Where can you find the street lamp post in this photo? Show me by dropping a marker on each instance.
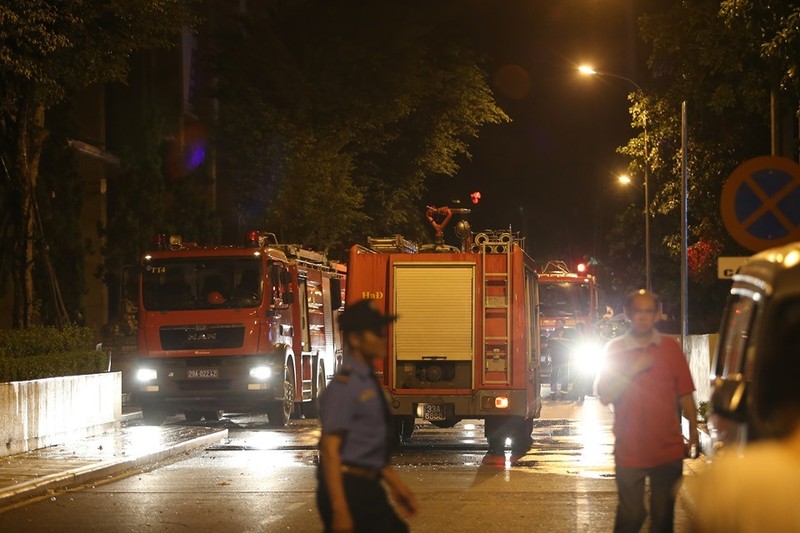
(589, 71)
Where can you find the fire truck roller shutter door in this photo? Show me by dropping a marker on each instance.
(435, 306)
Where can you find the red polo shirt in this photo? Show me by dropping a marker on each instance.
(647, 425)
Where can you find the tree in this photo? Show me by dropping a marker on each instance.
(715, 65)
(333, 116)
(61, 249)
(776, 28)
(48, 50)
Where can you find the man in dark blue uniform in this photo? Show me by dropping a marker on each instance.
(354, 448)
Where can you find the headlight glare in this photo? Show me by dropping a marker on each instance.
(589, 356)
(146, 374)
(261, 372)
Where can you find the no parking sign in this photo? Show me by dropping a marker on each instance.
(761, 203)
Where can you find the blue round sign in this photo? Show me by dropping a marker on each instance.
(761, 203)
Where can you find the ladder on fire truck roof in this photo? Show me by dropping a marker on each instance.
(307, 256)
(393, 244)
(556, 267)
(496, 306)
(295, 251)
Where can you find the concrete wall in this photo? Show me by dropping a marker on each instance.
(45, 412)
(699, 350)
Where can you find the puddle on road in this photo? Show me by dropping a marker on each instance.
(575, 447)
(560, 446)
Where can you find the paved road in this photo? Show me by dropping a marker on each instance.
(262, 479)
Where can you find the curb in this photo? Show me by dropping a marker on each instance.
(133, 415)
(83, 474)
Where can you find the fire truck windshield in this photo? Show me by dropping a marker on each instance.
(207, 283)
(564, 299)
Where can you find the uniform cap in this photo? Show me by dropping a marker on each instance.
(363, 316)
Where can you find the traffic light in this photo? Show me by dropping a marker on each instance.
(475, 197)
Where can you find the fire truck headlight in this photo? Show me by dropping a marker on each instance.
(501, 402)
(261, 372)
(146, 374)
(589, 357)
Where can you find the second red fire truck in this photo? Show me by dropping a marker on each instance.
(248, 328)
(571, 297)
(466, 343)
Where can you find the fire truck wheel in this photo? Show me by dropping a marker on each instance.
(497, 443)
(211, 416)
(153, 415)
(521, 440)
(403, 428)
(499, 428)
(492, 430)
(280, 411)
(311, 409)
(192, 416)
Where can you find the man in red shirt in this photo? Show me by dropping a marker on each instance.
(647, 379)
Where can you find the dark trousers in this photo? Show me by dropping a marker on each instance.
(368, 503)
(631, 511)
(559, 374)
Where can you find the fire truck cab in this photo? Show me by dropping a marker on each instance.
(571, 297)
(466, 341)
(571, 300)
(248, 328)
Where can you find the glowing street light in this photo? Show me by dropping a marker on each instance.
(589, 71)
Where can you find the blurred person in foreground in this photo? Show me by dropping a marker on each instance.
(756, 488)
(354, 447)
(647, 380)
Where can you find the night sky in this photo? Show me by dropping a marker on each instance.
(551, 173)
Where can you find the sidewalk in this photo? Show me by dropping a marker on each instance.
(37, 472)
(692, 468)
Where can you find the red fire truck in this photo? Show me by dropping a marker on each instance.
(466, 343)
(236, 328)
(571, 297)
(572, 300)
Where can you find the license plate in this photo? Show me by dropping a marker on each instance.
(202, 373)
(434, 412)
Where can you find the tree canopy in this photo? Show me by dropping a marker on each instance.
(333, 116)
(715, 61)
(49, 50)
(325, 120)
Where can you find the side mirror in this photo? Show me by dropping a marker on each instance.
(729, 399)
(274, 274)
